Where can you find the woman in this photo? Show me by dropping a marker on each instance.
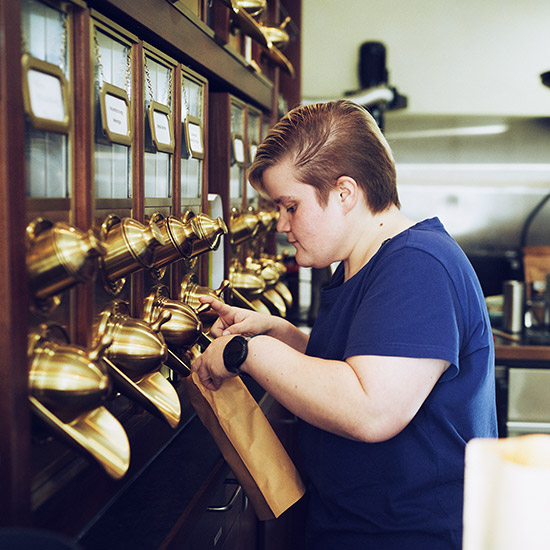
(398, 372)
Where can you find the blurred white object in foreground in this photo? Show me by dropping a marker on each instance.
(507, 494)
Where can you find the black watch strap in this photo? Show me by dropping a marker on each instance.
(235, 353)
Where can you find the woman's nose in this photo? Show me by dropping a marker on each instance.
(282, 224)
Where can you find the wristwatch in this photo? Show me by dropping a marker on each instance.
(235, 353)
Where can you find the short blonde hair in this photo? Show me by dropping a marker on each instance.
(326, 141)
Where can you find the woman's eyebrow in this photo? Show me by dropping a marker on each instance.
(283, 199)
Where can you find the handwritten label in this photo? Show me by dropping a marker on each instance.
(162, 128)
(116, 111)
(195, 137)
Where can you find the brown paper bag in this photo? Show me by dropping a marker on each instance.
(248, 444)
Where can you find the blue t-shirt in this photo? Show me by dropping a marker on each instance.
(417, 297)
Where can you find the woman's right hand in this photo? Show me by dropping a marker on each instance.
(236, 320)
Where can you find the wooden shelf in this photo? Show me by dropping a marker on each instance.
(191, 42)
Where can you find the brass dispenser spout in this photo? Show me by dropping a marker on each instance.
(134, 359)
(68, 387)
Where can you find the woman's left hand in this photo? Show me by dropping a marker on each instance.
(210, 367)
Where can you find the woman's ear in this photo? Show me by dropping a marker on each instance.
(348, 192)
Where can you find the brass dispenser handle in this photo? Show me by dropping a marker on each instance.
(153, 392)
(242, 300)
(98, 351)
(204, 340)
(164, 317)
(179, 364)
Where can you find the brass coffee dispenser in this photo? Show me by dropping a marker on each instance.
(130, 247)
(250, 282)
(278, 36)
(185, 238)
(134, 358)
(68, 387)
(206, 233)
(270, 296)
(253, 7)
(276, 295)
(191, 292)
(59, 256)
(182, 330)
(248, 287)
(243, 226)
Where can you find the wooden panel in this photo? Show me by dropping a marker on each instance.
(176, 163)
(14, 409)
(82, 175)
(138, 162)
(290, 88)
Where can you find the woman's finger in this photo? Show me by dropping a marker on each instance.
(215, 304)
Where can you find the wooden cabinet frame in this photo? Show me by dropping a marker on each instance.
(14, 410)
(193, 47)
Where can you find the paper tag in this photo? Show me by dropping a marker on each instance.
(238, 150)
(162, 127)
(116, 111)
(46, 95)
(195, 138)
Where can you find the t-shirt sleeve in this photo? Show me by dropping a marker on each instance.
(410, 309)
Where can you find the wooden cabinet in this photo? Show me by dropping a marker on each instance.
(228, 521)
(179, 61)
(287, 531)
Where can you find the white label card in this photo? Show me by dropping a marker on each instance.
(116, 110)
(46, 96)
(239, 150)
(162, 127)
(195, 137)
(253, 149)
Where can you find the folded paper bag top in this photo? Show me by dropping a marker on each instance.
(506, 493)
(248, 444)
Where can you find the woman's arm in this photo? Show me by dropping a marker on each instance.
(367, 398)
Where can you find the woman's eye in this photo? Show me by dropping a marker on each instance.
(291, 209)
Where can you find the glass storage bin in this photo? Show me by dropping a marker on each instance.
(112, 153)
(158, 127)
(253, 139)
(238, 152)
(45, 38)
(192, 118)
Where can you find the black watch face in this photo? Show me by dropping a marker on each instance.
(234, 353)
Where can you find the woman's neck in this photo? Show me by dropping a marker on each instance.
(375, 230)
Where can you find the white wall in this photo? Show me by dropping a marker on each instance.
(447, 56)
